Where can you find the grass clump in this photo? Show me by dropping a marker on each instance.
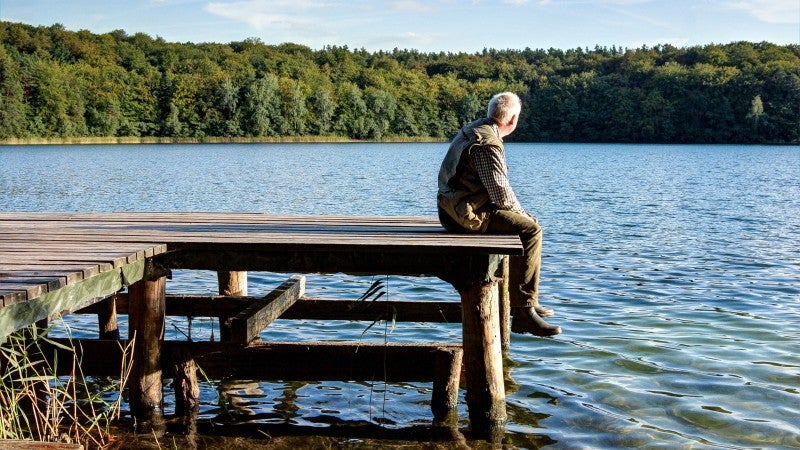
(36, 403)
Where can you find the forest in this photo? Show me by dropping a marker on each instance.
(57, 83)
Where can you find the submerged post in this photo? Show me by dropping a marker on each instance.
(483, 361)
(504, 301)
(107, 318)
(230, 284)
(446, 378)
(184, 382)
(146, 323)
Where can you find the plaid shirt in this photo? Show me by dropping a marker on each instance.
(490, 162)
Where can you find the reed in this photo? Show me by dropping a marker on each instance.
(37, 404)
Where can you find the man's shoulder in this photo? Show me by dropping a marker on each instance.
(483, 132)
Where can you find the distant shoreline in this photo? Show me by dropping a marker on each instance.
(205, 140)
(133, 140)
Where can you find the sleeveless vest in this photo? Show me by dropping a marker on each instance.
(461, 195)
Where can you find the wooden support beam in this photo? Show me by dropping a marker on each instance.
(458, 270)
(403, 310)
(483, 361)
(301, 361)
(146, 328)
(337, 361)
(246, 325)
(306, 308)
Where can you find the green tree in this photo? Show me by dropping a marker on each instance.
(323, 109)
(169, 123)
(261, 107)
(294, 109)
(56, 82)
(55, 100)
(12, 101)
(226, 121)
(382, 107)
(351, 114)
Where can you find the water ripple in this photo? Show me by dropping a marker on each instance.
(673, 270)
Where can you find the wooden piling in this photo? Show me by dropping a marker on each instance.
(446, 379)
(483, 361)
(146, 328)
(504, 301)
(184, 382)
(230, 283)
(107, 318)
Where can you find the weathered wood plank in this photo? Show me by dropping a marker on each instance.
(85, 271)
(19, 312)
(47, 283)
(67, 258)
(369, 232)
(70, 276)
(9, 297)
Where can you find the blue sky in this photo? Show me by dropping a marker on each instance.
(428, 26)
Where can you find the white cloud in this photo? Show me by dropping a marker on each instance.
(261, 14)
(417, 38)
(410, 5)
(408, 39)
(771, 11)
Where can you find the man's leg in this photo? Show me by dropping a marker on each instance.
(525, 308)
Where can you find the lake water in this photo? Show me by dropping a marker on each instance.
(674, 272)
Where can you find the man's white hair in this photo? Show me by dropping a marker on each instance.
(503, 106)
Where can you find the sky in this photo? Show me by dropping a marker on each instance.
(431, 25)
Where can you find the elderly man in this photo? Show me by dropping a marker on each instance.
(475, 196)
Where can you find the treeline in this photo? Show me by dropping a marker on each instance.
(59, 83)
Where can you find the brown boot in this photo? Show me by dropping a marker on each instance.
(543, 311)
(525, 320)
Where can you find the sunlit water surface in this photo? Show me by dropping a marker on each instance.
(674, 272)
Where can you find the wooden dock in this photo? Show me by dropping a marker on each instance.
(55, 263)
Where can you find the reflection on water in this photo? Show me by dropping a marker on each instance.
(673, 270)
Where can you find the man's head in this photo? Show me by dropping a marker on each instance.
(504, 109)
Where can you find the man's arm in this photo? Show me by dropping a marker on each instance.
(491, 166)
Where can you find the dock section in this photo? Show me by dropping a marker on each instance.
(52, 263)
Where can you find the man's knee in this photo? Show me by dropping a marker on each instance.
(512, 222)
